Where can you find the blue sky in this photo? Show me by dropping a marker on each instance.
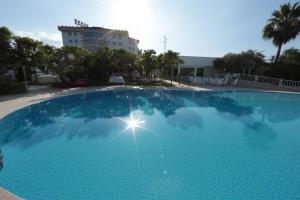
(193, 27)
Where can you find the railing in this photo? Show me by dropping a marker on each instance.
(268, 81)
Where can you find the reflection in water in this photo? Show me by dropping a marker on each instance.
(106, 107)
(259, 136)
(185, 119)
(133, 123)
(276, 107)
(1, 160)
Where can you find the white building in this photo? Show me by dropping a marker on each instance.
(197, 66)
(93, 38)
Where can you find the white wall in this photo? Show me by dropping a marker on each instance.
(199, 62)
(193, 62)
(113, 41)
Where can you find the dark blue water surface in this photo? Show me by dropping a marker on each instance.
(154, 144)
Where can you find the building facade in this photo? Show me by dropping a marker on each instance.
(94, 38)
(197, 66)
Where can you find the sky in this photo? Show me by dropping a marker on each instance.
(193, 27)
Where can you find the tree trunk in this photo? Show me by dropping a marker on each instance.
(35, 74)
(278, 53)
(172, 75)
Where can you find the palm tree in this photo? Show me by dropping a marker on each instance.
(171, 60)
(149, 61)
(283, 26)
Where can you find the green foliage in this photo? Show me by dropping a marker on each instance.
(283, 26)
(148, 60)
(8, 86)
(238, 63)
(288, 66)
(168, 61)
(101, 64)
(6, 48)
(72, 62)
(171, 59)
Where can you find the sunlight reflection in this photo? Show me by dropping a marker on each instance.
(133, 123)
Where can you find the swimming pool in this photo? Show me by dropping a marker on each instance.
(154, 144)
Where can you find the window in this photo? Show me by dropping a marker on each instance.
(114, 43)
(200, 72)
(114, 36)
(120, 43)
(187, 71)
(70, 41)
(75, 33)
(76, 41)
(120, 37)
(70, 33)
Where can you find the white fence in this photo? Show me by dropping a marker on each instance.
(268, 81)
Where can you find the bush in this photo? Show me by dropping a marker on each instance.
(8, 86)
(63, 85)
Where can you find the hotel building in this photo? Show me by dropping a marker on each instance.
(94, 38)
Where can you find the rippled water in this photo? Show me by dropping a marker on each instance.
(154, 144)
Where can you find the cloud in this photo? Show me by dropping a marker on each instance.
(48, 38)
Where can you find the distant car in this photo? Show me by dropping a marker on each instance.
(81, 83)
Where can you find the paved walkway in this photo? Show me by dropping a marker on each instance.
(5, 195)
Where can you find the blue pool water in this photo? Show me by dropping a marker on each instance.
(154, 144)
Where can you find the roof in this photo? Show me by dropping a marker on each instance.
(95, 28)
(195, 61)
(78, 28)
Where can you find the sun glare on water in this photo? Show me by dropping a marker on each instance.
(133, 123)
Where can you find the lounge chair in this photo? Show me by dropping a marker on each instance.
(116, 79)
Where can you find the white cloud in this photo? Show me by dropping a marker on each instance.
(48, 38)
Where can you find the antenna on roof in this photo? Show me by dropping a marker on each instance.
(80, 23)
(165, 42)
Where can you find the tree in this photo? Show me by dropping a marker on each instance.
(46, 57)
(251, 59)
(283, 26)
(291, 55)
(289, 65)
(71, 62)
(123, 60)
(101, 64)
(6, 48)
(26, 53)
(148, 60)
(171, 59)
(239, 63)
(161, 64)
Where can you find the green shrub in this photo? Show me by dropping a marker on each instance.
(8, 86)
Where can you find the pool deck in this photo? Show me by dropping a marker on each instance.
(5, 195)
